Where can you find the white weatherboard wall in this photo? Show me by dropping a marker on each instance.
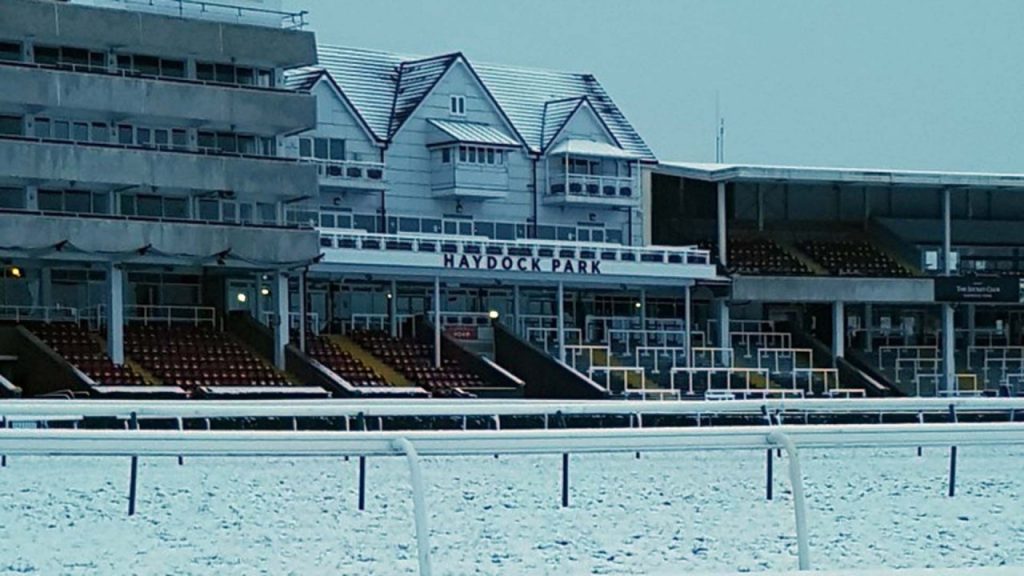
(409, 161)
(583, 125)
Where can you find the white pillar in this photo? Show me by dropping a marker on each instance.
(643, 309)
(724, 339)
(722, 249)
(115, 314)
(687, 326)
(279, 318)
(302, 311)
(393, 310)
(560, 307)
(437, 321)
(838, 330)
(948, 349)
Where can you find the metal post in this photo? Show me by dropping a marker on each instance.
(419, 501)
(437, 321)
(947, 233)
(279, 297)
(643, 311)
(972, 328)
(561, 321)
(565, 480)
(687, 325)
(722, 251)
(517, 326)
(869, 327)
(724, 340)
(838, 330)
(393, 309)
(115, 314)
(362, 483)
(952, 456)
(799, 502)
(181, 428)
(135, 471)
(302, 311)
(948, 350)
(768, 481)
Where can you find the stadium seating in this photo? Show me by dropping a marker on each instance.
(83, 349)
(322, 349)
(852, 258)
(193, 356)
(415, 361)
(759, 256)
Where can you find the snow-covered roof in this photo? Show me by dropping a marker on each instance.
(816, 174)
(473, 133)
(385, 88)
(591, 148)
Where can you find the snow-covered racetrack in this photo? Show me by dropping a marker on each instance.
(664, 513)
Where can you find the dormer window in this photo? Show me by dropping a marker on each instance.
(457, 106)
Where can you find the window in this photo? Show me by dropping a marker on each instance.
(81, 132)
(47, 55)
(204, 71)
(337, 147)
(305, 148)
(505, 231)
(446, 155)
(50, 200)
(76, 58)
(10, 125)
(267, 213)
(479, 155)
(125, 135)
(457, 105)
(209, 210)
(320, 148)
(408, 224)
(42, 128)
(76, 201)
(61, 130)
(12, 198)
(175, 208)
(100, 132)
(366, 222)
(10, 51)
(179, 138)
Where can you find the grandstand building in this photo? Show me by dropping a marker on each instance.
(247, 214)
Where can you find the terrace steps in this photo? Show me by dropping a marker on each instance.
(389, 374)
(148, 377)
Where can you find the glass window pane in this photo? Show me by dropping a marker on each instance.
(268, 213)
(326, 220)
(179, 138)
(76, 201)
(175, 208)
(366, 222)
(490, 155)
(172, 68)
(337, 149)
(209, 210)
(227, 142)
(408, 224)
(546, 232)
(207, 140)
(485, 229)
(151, 206)
(46, 55)
(320, 148)
(128, 205)
(12, 198)
(505, 231)
(10, 51)
(61, 130)
(430, 226)
(81, 132)
(462, 153)
(144, 137)
(305, 147)
(451, 228)
(472, 154)
(124, 134)
(245, 213)
(446, 155)
(161, 137)
(204, 71)
(147, 65)
(246, 76)
(100, 132)
(10, 125)
(225, 73)
(597, 235)
(465, 228)
(247, 145)
(613, 236)
(566, 233)
(51, 200)
(101, 203)
(42, 128)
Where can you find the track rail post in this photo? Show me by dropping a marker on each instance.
(799, 502)
(565, 480)
(419, 501)
(768, 484)
(952, 456)
(134, 471)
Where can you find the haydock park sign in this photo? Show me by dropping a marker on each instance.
(522, 264)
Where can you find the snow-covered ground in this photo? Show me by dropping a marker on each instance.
(663, 513)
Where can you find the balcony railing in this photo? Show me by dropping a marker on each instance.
(584, 186)
(222, 11)
(167, 148)
(349, 172)
(348, 239)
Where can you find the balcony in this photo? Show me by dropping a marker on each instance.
(583, 189)
(487, 260)
(463, 180)
(41, 161)
(36, 89)
(350, 175)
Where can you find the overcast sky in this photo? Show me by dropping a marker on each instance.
(925, 84)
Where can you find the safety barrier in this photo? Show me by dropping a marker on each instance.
(415, 444)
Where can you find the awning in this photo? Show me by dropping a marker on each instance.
(472, 133)
(591, 148)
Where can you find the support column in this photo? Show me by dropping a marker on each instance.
(972, 328)
(838, 330)
(643, 309)
(687, 326)
(948, 329)
(393, 310)
(869, 327)
(518, 325)
(724, 339)
(279, 298)
(437, 321)
(722, 248)
(115, 314)
(560, 307)
(948, 350)
(760, 208)
(302, 311)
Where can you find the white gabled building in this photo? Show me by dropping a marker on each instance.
(442, 145)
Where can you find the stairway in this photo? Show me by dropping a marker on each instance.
(147, 376)
(389, 374)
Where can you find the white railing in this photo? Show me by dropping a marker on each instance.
(482, 246)
(350, 171)
(547, 338)
(751, 341)
(312, 320)
(595, 354)
(593, 187)
(778, 360)
(168, 315)
(44, 313)
(712, 357)
(734, 379)
(994, 353)
(675, 355)
(897, 353)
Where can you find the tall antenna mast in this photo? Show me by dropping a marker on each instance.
(719, 132)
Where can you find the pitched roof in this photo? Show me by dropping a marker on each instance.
(556, 114)
(473, 133)
(386, 88)
(416, 78)
(591, 148)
